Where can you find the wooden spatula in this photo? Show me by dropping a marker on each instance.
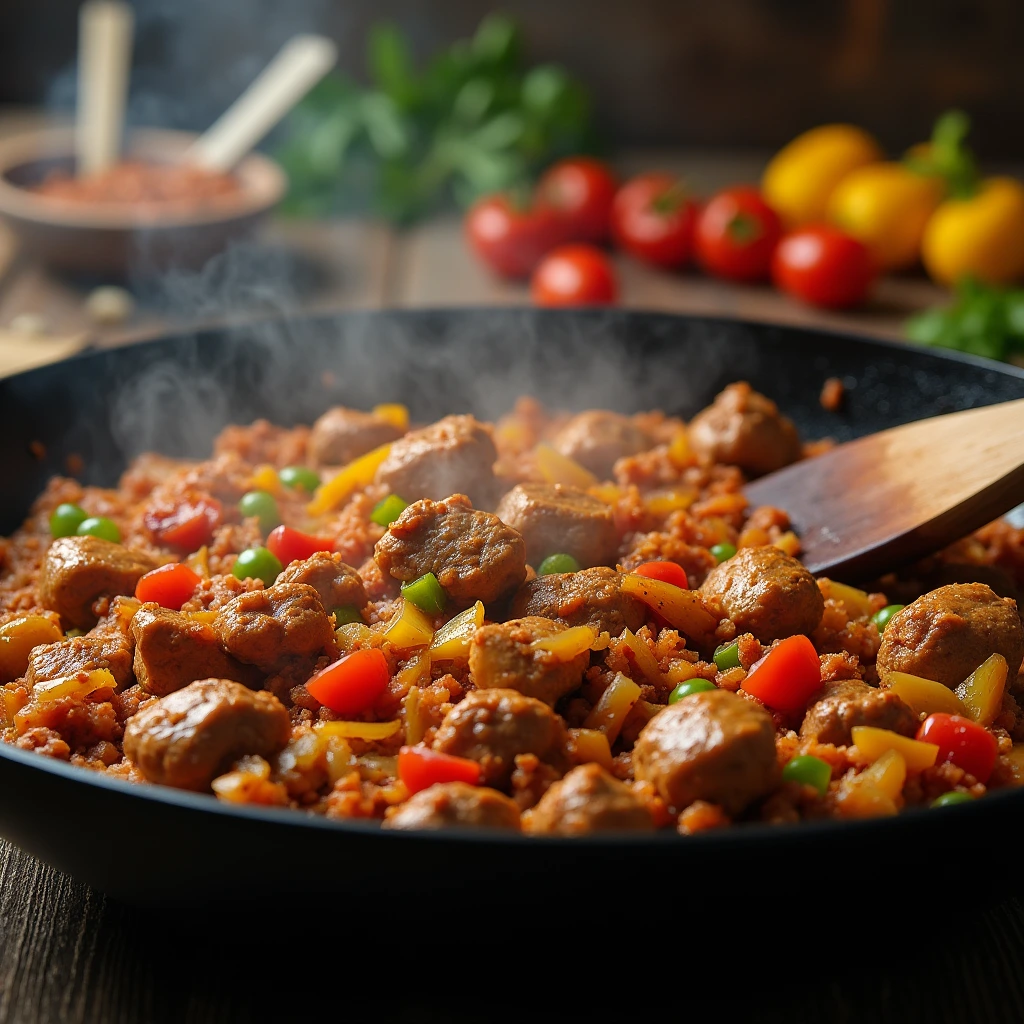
(879, 502)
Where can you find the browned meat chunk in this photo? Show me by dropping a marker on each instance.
(765, 592)
(597, 439)
(588, 598)
(495, 726)
(710, 746)
(269, 628)
(473, 554)
(78, 570)
(456, 455)
(77, 654)
(947, 633)
(456, 805)
(341, 435)
(502, 655)
(587, 800)
(554, 519)
(338, 584)
(173, 650)
(743, 428)
(849, 703)
(189, 736)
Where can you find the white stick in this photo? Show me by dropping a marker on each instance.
(104, 57)
(301, 63)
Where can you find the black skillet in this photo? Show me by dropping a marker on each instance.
(157, 846)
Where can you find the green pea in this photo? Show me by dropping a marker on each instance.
(257, 564)
(721, 552)
(346, 614)
(809, 771)
(262, 505)
(881, 618)
(99, 526)
(66, 519)
(954, 796)
(727, 656)
(299, 478)
(690, 686)
(426, 593)
(558, 563)
(386, 511)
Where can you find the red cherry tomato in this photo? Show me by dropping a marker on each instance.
(509, 239)
(574, 275)
(170, 585)
(824, 267)
(188, 525)
(667, 572)
(736, 235)
(787, 676)
(353, 683)
(580, 190)
(968, 745)
(421, 767)
(653, 218)
(288, 545)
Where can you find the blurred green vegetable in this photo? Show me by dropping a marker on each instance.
(474, 121)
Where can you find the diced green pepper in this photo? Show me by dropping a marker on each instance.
(727, 656)
(346, 614)
(386, 511)
(426, 593)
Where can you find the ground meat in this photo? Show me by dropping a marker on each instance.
(494, 726)
(591, 597)
(41, 740)
(456, 804)
(341, 435)
(696, 560)
(263, 442)
(597, 439)
(269, 628)
(589, 800)
(473, 554)
(946, 634)
(711, 746)
(173, 650)
(501, 655)
(743, 428)
(186, 738)
(338, 584)
(78, 570)
(765, 592)
(554, 519)
(456, 455)
(850, 703)
(111, 651)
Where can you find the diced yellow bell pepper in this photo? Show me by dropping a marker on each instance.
(415, 671)
(18, 637)
(395, 414)
(411, 627)
(415, 719)
(888, 773)
(358, 473)
(265, 478)
(557, 468)
(679, 450)
(11, 702)
(663, 503)
(451, 642)
(80, 685)
(863, 799)
(680, 671)
(567, 644)
(199, 562)
(610, 711)
(360, 730)
(788, 543)
(925, 696)
(353, 633)
(873, 743)
(981, 693)
(643, 656)
(608, 493)
(682, 609)
(857, 602)
(590, 745)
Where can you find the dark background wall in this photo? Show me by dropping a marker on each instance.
(714, 72)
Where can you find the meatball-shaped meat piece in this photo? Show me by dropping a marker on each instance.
(709, 746)
(850, 703)
(188, 737)
(502, 655)
(592, 597)
(268, 628)
(495, 726)
(743, 428)
(111, 651)
(456, 805)
(597, 439)
(456, 455)
(78, 570)
(341, 435)
(947, 633)
(560, 520)
(589, 800)
(765, 592)
(337, 584)
(473, 554)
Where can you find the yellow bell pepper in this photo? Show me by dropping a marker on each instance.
(568, 644)
(451, 642)
(557, 468)
(360, 730)
(799, 180)
(924, 696)
(358, 473)
(410, 628)
(18, 637)
(587, 745)
(873, 743)
(615, 703)
(682, 609)
(981, 692)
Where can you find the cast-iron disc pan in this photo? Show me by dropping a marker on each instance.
(157, 846)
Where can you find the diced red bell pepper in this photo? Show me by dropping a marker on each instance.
(421, 767)
(965, 743)
(188, 525)
(288, 545)
(353, 683)
(787, 676)
(667, 572)
(170, 585)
